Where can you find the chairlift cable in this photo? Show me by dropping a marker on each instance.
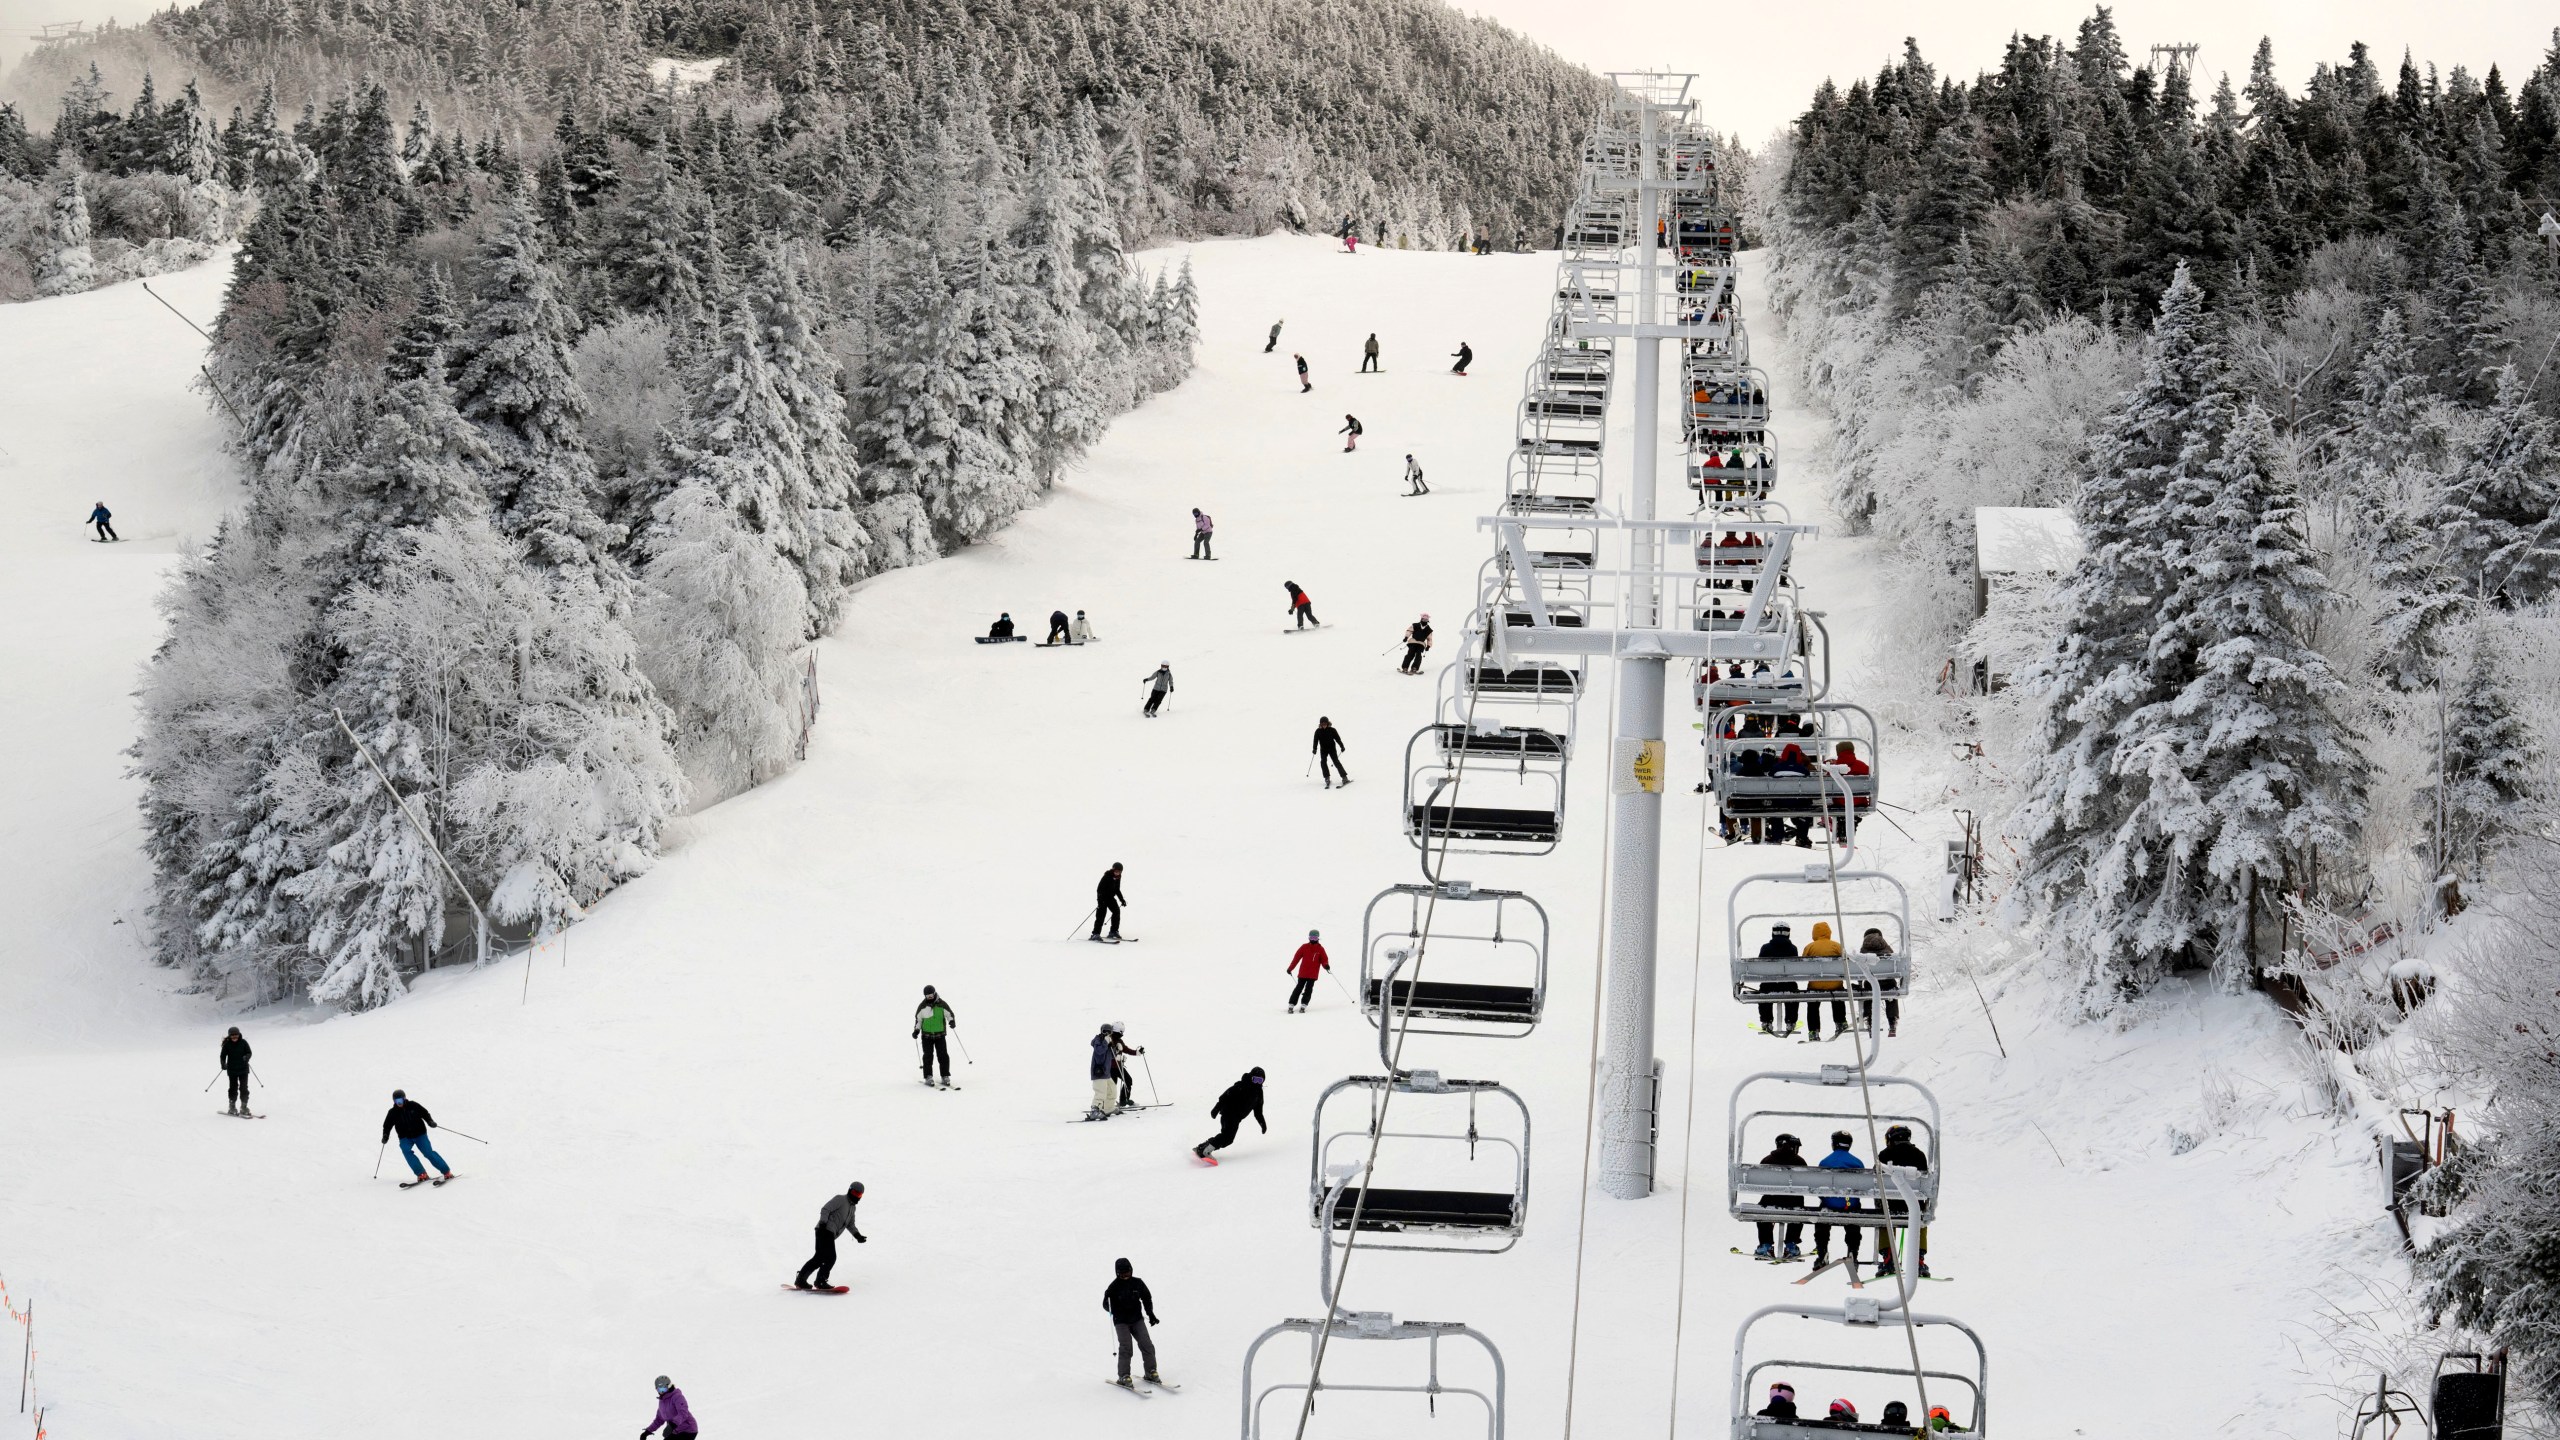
(1689, 1122)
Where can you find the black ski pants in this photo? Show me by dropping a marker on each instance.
(1307, 616)
(1412, 659)
(1329, 763)
(1228, 1125)
(937, 1047)
(107, 531)
(1303, 991)
(1848, 1233)
(1200, 545)
(822, 1263)
(1777, 987)
(239, 1091)
(1111, 907)
(1135, 1336)
(1057, 633)
(1154, 699)
(1368, 363)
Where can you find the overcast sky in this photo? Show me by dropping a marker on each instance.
(1760, 62)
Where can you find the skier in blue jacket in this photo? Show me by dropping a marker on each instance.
(1838, 1159)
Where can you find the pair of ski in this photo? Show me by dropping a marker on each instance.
(240, 1114)
(424, 1180)
(1824, 1265)
(1143, 1389)
(1089, 1118)
(945, 1085)
(1112, 939)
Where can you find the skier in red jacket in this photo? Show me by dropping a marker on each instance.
(1307, 964)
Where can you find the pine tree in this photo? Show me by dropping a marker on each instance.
(2497, 520)
(828, 494)
(64, 266)
(512, 377)
(2489, 765)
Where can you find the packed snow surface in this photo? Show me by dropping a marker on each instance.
(2142, 1222)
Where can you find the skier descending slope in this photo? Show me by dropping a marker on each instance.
(1237, 1101)
(1307, 964)
(1159, 684)
(1274, 342)
(834, 1218)
(1121, 1050)
(1133, 1309)
(1300, 605)
(1413, 478)
(1417, 639)
(1350, 433)
(234, 1059)
(413, 1122)
(673, 1413)
(1107, 901)
(1329, 748)
(935, 1020)
(104, 520)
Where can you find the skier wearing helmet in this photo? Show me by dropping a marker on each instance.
(1417, 638)
(1843, 1414)
(1782, 1402)
(673, 1413)
(1329, 748)
(1309, 962)
(1413, 478)
(935, 1020)
(1838, 1159)
(1788, 1151)
(1121, 1050)
(1898, 1150)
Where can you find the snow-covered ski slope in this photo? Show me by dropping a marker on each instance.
(716, 1051)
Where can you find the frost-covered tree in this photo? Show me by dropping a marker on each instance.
(825, 500)
(2488, 765)
(2497, 518)
(64, 265)
(720, 622)
(2418, 594)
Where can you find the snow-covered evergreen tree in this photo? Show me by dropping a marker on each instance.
(64, 264)
(2488, 761)
(826, 498)
(2497, 521)
(720, 624)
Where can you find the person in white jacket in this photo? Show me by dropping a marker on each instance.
(1082, 631)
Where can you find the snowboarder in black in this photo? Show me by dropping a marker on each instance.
(1413, 479)
(1201, 529)
(1417, 638)
(1304, 384)
(935, 1020)
(1369, 354)
(1465, 355)
(1790, 1152)
(1237, 1101)
(1159, 685)
(1300, 605)
(1003, 628)
(1329, 748)
(1350, 433)
(99, 516)
(413, 1122)
(234, 1060)
(1898, 1150)
(1107, 899)
(1057, 628)
(834, 1218)
(1133, 1309)
(1274, 342)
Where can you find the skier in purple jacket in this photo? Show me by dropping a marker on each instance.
(672, 1413)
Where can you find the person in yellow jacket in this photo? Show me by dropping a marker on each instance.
(1822, 945)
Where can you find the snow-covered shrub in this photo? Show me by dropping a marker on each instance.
(635, 393)
(719, 627)
(64, 265)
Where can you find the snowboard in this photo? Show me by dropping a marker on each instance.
(1060, 644)
(820, 1289)
(1001, 639)
(1294, 629)
(1208, 1160)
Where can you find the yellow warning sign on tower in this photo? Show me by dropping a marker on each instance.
(1638, 768)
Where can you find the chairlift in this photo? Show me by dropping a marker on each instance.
(1872, 1194)
(1495, 940)
(1864, 976)
(1484, 790)
(1744, 747)
(1482, 1216)
(1373, 1325)
(1964, 1393)
(1552, 484)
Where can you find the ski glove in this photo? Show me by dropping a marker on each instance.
(861, 1239)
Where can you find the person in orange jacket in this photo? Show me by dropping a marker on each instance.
(1307, 964)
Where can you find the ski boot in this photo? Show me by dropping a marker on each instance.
(1764, 1253)
(1793, 1252)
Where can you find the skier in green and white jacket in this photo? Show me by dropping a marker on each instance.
(935, 1020)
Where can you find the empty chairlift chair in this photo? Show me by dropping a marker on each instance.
(1485, 788)
(1775, 1102)
(1480, 969)
(1864, 1356)
(1434, 1187)
(1372, 1325)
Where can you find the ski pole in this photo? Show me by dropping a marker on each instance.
(474, 1139)
(377, 1159)
(963, 1044)
(253, 1074)
(1088, 915)
(1151, 1077)
(1311, 767)
(208, 1085)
